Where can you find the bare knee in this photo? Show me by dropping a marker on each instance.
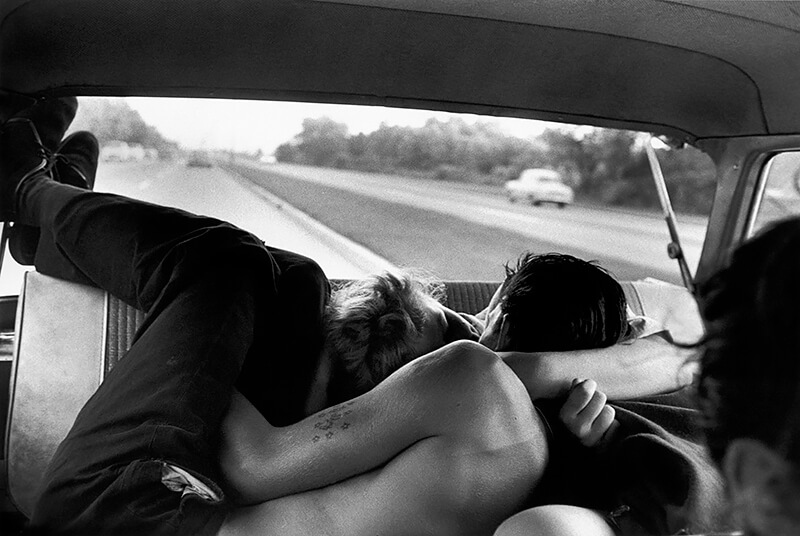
(556, 520)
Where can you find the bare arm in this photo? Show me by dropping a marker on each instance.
(422, 400)
(262, 462)
(647, 366)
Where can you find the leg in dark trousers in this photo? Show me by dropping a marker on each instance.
(279, 387)
(158, 408)
(213, 294)
(142, 253)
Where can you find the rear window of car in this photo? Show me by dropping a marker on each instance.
(365, 188)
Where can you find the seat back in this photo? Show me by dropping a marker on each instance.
(469, 296)
(67, 337)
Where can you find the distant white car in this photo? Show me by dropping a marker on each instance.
(120, 151)
(539, 186)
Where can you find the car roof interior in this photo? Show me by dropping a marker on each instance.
(686, 68)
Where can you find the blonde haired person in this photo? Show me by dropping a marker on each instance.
(371, 327)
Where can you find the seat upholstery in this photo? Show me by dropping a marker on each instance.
(469, 296)
(67, 337)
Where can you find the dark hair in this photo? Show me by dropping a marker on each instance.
(750, 364)
(557, 302)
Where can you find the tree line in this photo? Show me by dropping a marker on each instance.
(114, 120)
(603, 165)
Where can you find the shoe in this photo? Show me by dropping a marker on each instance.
(51, 118)
(76, 160)
(75, 163)
(22, 156)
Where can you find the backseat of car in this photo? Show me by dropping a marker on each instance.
(69, 336)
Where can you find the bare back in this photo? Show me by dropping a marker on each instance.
(464, 464)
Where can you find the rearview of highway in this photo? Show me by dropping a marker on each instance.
(355, 223)
(467, 231)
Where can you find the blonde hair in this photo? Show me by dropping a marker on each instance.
(373, 323)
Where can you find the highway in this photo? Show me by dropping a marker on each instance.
(373, 221)
(631, 244)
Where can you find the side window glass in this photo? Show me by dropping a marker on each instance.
(781, 194)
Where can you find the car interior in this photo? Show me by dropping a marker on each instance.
(715, 75)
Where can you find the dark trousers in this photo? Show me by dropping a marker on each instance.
(223, 310)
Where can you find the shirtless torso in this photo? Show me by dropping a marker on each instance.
(413, 456)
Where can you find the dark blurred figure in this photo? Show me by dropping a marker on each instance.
(750, 376)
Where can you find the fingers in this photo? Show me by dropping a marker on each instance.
(474, 322)
(459, 327)
(580, 394)
(585, 413)
(601, 426)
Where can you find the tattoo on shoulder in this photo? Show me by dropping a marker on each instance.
(331, 420)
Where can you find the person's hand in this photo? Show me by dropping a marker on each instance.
(477, 324)
(461, 326)
(586, 415)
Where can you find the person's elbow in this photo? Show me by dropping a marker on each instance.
(239, 455)
(536, 373)
(236, 467)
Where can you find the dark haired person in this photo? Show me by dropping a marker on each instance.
(749, 385)
(555, 302)
(556, 318)
(748, 392)
(640, 465)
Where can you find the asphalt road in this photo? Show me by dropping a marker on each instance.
(466, 232)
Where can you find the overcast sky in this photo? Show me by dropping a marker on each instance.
(251, 125)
